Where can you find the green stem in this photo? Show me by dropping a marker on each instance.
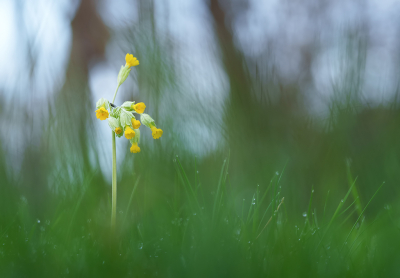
(114, 177)
(115, 94)
(114, 183)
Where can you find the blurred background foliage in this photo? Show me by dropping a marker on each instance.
(308, 88)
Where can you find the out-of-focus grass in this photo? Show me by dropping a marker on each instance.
(192, 231)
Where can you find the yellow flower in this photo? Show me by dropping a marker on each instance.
(131, 61)
(118, 130)
(129, 133)
(135, 148)
(156, 132)
(102, 113)
(135, 123)
(139, 107)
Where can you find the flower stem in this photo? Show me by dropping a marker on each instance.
(114, 178)
(115, 94)
(114, 184)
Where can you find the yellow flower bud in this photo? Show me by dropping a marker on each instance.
(156, 132)
(135, 123)
(129, 133)
(118, 130)
(115, 125)
(135, 148)
(131, 61)
(139, 107)
(102, 113)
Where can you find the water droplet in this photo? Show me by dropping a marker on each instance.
(342, 200)
(258, 185)
(103, 262)
(26, 239)
(202, 207)
(89, 220)
(197, 172)
(304, 214)
(38, 221)
(312, 191)
(140, 246)
(194, 213)
(161, 238)
(176, 156)
(277, 173)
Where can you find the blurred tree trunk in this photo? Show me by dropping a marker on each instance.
(74, 105)
(234, 64)
(232, 57)
(68, 144)
(238, 124)
(252, 126)
(63, 157)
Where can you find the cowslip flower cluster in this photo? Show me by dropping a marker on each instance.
(122, 120)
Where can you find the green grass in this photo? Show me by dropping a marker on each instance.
(193, 232)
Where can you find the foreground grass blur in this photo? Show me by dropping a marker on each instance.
(190, 231)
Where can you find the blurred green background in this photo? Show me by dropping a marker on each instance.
(258, 100)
